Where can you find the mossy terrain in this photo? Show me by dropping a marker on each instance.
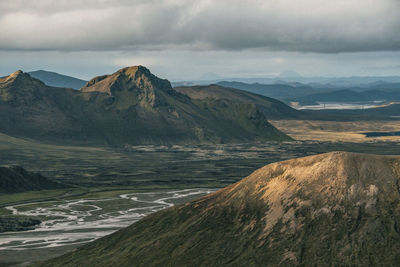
(16, 179)
(325, 210)
(12, 224)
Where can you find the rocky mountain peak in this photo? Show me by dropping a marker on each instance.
(19, 74)
(131, 86)
(135, 71)
(126, 78)
(15, 74)
(20, 79)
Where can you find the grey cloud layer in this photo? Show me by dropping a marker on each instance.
(283, 25)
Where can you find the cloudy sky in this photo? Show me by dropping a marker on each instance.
(184, 40)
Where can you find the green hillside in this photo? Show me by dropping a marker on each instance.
(334, 209)
(17, 179)
(271, 108)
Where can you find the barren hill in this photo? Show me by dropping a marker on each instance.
(334, 209)
(272, 108)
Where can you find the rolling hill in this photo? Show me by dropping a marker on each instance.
(347, 96)
(272, 108)
(57, 80)
(334, 209)
(130, 106)
(17, 179)
(278, 91)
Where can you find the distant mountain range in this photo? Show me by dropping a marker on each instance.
(355, 83)
(349, 96)
(57, 80)
(279, 91)
(130, 106)
(316, 82)
(310, 95)
(287, 87)
(334, 209)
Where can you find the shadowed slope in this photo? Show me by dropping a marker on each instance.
(17, 179)
(271, 108)
(31, 109)
(131, 106)
(330, 209)
(59, 80)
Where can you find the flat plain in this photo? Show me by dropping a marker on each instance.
(100, 177)
(339, 131)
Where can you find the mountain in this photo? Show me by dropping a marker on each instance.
(360, 83)
(272, 108)
(347, 96)
(57, 80)
(278, 91)
(17, 179)
(334, 209)
(130, 106)
(289, 74)
(29, 108)
(384, 85)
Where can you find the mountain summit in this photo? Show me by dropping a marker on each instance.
(135, 84)
(334, 209)
(127, 78)
(20, 78)
(130, 106)
(15, 74)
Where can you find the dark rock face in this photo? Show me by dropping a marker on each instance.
(335, 209)
(131, 106)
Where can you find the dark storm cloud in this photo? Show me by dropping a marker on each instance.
(325, 26)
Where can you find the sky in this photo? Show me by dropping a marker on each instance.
(202, 39)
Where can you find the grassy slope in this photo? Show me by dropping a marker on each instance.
(278, 91)
(331, 209)
(17, 179)
(272, 108)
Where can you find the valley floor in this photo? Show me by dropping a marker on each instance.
(68, 223)
(108, 183)
(338, 131)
